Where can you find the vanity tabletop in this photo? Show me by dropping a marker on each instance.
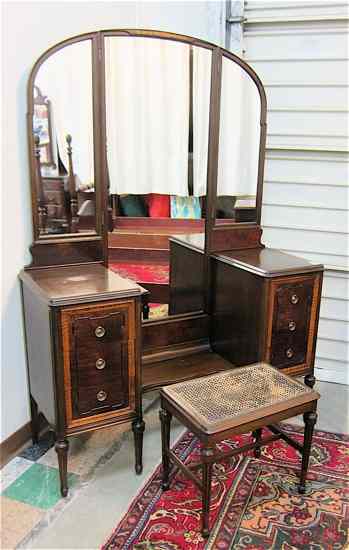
(267, 262)
(76, 284)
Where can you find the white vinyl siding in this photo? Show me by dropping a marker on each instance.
(300, 50)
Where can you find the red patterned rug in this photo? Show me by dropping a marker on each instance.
(255, 503)
(146, 273)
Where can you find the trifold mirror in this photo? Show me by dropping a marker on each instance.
(139, 142)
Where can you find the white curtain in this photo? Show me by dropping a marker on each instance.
(201, 117)
(66, 78)
(239, 134)
(147, 107)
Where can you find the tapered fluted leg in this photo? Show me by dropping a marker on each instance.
(206, 453)
(310, 421)
(34, 421)
(257, 435)
(138, 430)
(61, 448)
(165, 419)
(310, 380)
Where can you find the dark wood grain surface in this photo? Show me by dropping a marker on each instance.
(267, 262)
(156, 375)
(77, 284)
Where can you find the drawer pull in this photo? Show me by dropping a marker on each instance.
(294, 299)
(289, 353)
(100, 364)
(100, 332)
(102, 395)
(291, 326)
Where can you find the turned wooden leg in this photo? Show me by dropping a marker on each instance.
(257, 435)
(206, 454)
(138, 427)
(165, 419)
(310, 421)
(310, 380)
(61, 448)
(34, 420)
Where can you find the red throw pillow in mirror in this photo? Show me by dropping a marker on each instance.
(158, 205)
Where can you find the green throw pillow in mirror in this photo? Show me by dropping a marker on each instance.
(133, 206)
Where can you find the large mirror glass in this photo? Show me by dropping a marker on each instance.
(239, 143)
(157, 122)
(63, 142)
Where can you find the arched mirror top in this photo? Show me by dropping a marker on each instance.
(71, 148)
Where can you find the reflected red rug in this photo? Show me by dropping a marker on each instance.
(146, 273)
(255, 504)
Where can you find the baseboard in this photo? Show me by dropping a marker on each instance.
(15, 442)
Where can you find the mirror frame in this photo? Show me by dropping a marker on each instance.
(85, 248)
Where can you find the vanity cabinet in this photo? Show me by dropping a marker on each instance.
(264, 304)
(265, 307)
(83, 345)
(231, 300)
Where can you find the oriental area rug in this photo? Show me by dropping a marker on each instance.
(255, 504)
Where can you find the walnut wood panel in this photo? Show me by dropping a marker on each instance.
(119, 395)
(140, 255)
(158, 374)
(302, 340)
(235, 238)
(237, 313)
(87, 400)
(159, 293)
(39, 352)
(186, 280)
(75, 250)
(177, 330)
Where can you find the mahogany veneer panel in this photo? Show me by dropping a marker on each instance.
(156, 375)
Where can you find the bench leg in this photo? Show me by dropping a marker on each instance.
(257, 435)
(165, 419)
(310, 421)
(206, 453)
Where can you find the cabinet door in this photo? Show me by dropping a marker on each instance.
(293, 314)
(99, 361)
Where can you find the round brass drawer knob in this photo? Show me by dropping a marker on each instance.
(100, 332)
(100, 364)
(289, 353)
(292, 326)
(102, 395)
(294, 299)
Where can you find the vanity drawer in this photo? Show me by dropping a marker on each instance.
(100, 398)
(291, 314)
(292, 304)
(101, 364)
(99, 360)
(288, 350)
(100, 329)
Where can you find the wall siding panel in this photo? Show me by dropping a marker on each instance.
(299, 49)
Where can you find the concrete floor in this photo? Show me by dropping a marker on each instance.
(93, 511)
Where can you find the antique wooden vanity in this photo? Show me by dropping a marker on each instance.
(231, 300)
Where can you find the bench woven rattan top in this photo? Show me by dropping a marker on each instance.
(237, 396)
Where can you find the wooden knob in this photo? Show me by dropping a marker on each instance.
(100, 332)
(100, 364)
(294, 299)
(101, 395)
(291, 326)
